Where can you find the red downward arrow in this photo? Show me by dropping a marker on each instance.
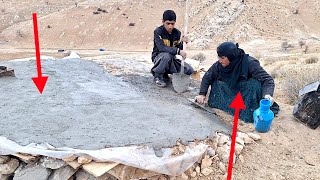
(236, 104)
(39, 81)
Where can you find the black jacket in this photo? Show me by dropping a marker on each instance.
(255, 71)
(165, 42)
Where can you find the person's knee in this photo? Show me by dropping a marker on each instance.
(166, 57)
(188, 69)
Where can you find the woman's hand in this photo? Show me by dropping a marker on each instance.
(201, 99)
(270, 98)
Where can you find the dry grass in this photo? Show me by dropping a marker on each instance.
(269, 60)
(312, 60)
(294, 77)
(276, 71)
(199, 57)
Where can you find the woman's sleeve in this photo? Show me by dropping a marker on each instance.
(257, 72)
(207, 80)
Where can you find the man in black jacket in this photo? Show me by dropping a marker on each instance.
(167, 44)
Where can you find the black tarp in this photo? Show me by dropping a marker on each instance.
(307, 110)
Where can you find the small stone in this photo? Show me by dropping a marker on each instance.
(255, 137)
(223, 153)
(239, 141)
(181, 147)
(62, 173)
(215, 143)
(52, 163)
(211, 152)
(216, 158)
(222, 167)
(245, 138)
(223, 140)
(198, 169)
(193, 174)
(33, 172)
(184, 176)
(9, 167)
(248, 141)
(238, 148)
(4, 159)
(242, 135)
(82, 175)
(206, 162)
(132, 24)
(310, 161)
(189, 171)
(207, 171)
(83, 160)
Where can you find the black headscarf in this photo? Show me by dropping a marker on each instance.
(238, 66)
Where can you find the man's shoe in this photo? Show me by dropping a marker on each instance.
(159, 82)
(166, 78)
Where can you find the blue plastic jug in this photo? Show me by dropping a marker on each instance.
(263, 116)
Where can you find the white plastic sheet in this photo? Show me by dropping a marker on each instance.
(142, 157)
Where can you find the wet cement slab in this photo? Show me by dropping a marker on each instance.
(84, 107)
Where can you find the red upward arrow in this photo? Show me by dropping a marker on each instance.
(236, 104)
(39, 81)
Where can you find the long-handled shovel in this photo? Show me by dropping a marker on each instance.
(181, 81)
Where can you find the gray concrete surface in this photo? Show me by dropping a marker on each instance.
(84, 107)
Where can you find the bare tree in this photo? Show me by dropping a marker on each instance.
(306, 48)
(302, 43)
(199, 57)
(285, 45)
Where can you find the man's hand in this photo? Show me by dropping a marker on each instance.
(201, 99)
(185, 39)
(183, 54)
(270, 98)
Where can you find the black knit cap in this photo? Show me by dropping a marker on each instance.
(169, 15)
(228, 49)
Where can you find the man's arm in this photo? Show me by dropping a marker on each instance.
(161, 46)
(207, 80)
(262, 76)
(183, 39)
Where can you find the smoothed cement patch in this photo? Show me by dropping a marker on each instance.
(84, 107)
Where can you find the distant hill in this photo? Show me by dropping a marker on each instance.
(95, 24)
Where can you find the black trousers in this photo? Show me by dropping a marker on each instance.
(165, 63)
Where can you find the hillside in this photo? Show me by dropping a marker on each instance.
(73, 25)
